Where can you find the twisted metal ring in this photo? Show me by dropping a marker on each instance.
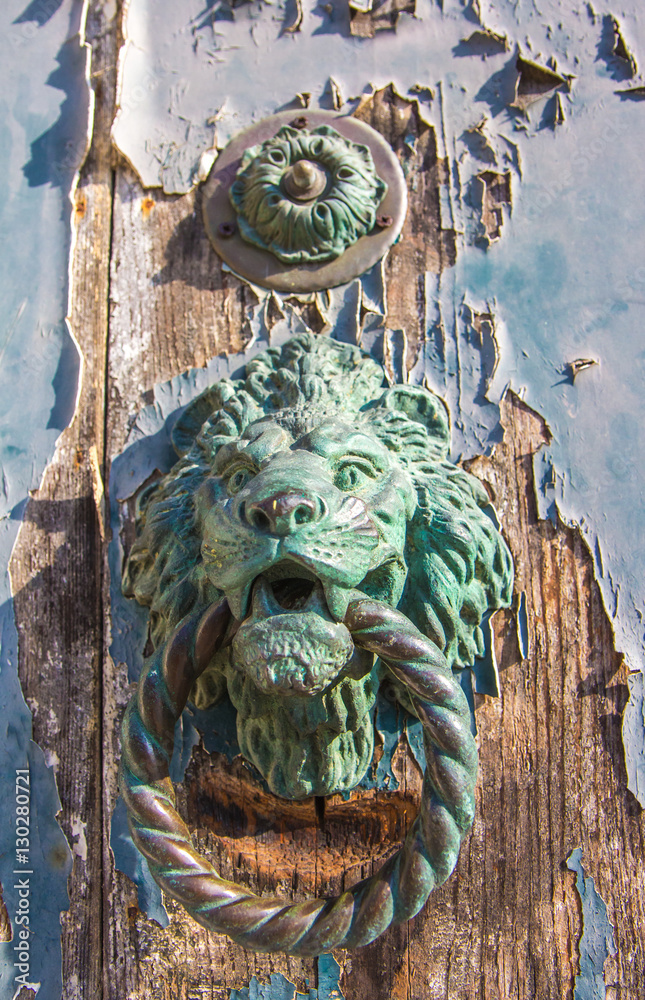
(398, 890)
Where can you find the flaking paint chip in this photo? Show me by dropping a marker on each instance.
(535, 82)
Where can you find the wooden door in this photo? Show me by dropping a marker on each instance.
(151, 300)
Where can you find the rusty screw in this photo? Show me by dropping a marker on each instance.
(226, 229)
(384, 221)
(301, 122)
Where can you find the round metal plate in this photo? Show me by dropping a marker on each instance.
(260, 266)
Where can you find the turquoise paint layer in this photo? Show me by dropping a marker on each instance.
(597, 941)
(389, 722)
(279, 988)
(328, 979)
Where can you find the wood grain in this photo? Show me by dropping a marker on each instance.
(151, 300)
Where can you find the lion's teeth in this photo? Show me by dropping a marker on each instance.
(264, 603)
(238, 600)
(337, 600)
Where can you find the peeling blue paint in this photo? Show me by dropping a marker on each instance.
(414, 735)
(279, 988)
(341, 310)
(328, 979)
(131, 861)
(389, 722)
(45, 111)
(597, 941)
(456, 364)
(545, 482)
(467, 686)
(485, 669)
(633, 728)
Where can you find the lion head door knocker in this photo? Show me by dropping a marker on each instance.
(311, 542)
(304, 204)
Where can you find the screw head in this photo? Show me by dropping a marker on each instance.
(300, 122)
(226, 229)
(384, 221)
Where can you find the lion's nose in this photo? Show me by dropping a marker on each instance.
(284, 513)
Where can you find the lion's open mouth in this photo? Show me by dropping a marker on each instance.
(288, 587)
(292, 594)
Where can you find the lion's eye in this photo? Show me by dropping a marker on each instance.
(238, 480)
(353, 475)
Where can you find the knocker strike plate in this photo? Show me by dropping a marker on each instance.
(304, 203)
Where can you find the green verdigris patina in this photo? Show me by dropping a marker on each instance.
(312, 542)
(306, 195)
(304, 481)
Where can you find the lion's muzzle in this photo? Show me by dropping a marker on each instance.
(280, 517)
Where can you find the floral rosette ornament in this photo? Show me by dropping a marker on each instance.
(306, 196)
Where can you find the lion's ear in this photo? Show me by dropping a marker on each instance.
(422, 406)
(192, 418)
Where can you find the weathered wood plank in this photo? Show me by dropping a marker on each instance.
(57, 563)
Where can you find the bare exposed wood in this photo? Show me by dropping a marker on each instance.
(366, 19)
(173, 306)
